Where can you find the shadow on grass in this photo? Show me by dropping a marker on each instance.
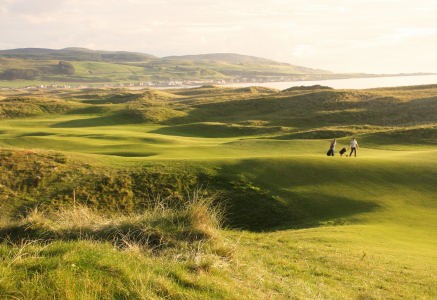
(263, 212)
(121, 236)
(89, 110)
(314, 134)
(130, 154)
(262, 195)
(218, 130)
(403, 136)
(38, 133)
(118, 118)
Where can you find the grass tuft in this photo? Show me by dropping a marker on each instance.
(155, 229)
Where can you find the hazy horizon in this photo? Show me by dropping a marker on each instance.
(385, 36)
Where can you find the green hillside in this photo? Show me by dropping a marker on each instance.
(219, 193)
(75, 54)
(36, 66)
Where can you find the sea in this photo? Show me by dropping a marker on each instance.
(350, 83)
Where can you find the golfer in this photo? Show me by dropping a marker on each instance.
(354, 146)
(332, 147)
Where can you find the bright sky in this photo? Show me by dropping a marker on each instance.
(381, 36)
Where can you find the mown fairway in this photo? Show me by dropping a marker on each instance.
(299, 224)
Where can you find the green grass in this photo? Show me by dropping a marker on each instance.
(298, 224)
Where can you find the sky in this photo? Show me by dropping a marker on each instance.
(372, 36)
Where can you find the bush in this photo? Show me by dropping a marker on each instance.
(65, 67)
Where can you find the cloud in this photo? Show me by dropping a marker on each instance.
(303, 50)
(340, 35)
(32, 7)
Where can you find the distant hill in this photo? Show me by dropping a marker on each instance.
(75, 54)
(223, 57)
(240, 60)
(80, 65)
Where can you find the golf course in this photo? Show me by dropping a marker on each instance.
(218, 193)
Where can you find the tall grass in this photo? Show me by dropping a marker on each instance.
(161, 227)
(77, 252)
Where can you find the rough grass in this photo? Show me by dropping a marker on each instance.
(30, 178)
(156, 228)
(15, 107)
(76, 251)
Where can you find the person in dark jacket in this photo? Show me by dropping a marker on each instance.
(332, 147)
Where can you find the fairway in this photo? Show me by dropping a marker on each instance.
(301, 225)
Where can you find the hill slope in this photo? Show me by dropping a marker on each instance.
(75, 54)
(118, 66)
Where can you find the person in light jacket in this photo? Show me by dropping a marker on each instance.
(354, 146)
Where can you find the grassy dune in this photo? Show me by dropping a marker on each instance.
(296, 224)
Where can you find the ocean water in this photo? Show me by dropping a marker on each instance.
(351, 83)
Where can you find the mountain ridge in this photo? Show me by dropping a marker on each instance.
(74, 65)
(26, 67)
(130, 56)
(75, 54)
